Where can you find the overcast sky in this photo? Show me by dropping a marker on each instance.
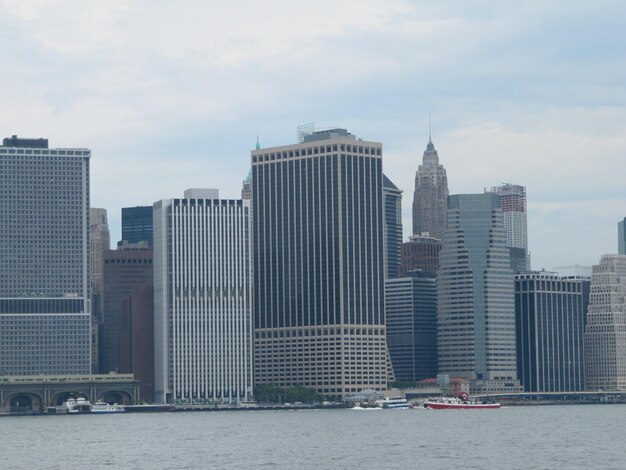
(169, 95)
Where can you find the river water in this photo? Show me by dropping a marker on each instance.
(538, 437)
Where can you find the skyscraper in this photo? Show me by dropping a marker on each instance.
(476, 309)
(621, 237)
(419, 253)
(411, 316)
(130, 265)
(202, 301)
(137, 224)
(319, 264)
(246, 187)
(100, 242)
(550, 316)
(392, 197)
(513, 205)
(605, 335)
(45, 287)
(430, 198)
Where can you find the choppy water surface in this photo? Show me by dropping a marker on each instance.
(549, 437)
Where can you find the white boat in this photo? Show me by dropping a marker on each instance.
(77, 405)
(458, 403)
(101, 407)
(394, 403)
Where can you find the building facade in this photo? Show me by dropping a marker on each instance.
(514, 211)
(419, 253)
(392, 197)
(319, 264)
(202, 299)
(605, 335)
(411, 316)
(137, 224)
(550, 317)
(100, 242)
(45, 286)
(621, 237)
(130, 265)
(476, 304)
(430, 199)
(137, 352)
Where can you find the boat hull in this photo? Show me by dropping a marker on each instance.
(461, 406)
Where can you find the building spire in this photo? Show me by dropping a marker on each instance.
(429, 133)
(258, 146)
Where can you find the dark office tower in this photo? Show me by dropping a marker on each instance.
(392, 198)
(420, 253)
(476, 302)
(621, 237)
(319, 264)
(137, 224)
(411, 315)
(513, 205)
(128, 266)
(430, 198)
(605, 334)
(137, 345)
(550, 316)
(45, 286)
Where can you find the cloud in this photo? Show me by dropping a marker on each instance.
(530, 93)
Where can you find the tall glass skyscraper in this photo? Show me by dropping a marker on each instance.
(45, 305)
(550, 315)
(476, 309)
(621, 237)
(393, 228)
(202, 300)
(411, 314)
(319, 264)
(137, 224)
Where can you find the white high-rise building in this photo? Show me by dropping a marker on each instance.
(202, 300)
(514, 210)
(605, 334)
(45, 305)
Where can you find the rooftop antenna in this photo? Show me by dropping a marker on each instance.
(429, 133)
(258, 146)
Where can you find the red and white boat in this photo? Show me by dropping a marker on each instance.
(460, 402)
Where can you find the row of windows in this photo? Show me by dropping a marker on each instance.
(16, 151)
(316, 151)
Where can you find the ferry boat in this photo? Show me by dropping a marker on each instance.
(458, 403)
(77, 405)
(101, 407)
(395, 403)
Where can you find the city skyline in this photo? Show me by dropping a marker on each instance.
(515, 92)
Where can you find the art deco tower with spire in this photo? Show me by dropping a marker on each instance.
(430, 199)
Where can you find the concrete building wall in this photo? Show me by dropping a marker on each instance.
(202, 300)
(605, 335)
(45, 287)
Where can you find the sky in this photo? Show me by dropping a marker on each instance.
(171, 95)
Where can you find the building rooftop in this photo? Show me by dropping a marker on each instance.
(14, 141)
